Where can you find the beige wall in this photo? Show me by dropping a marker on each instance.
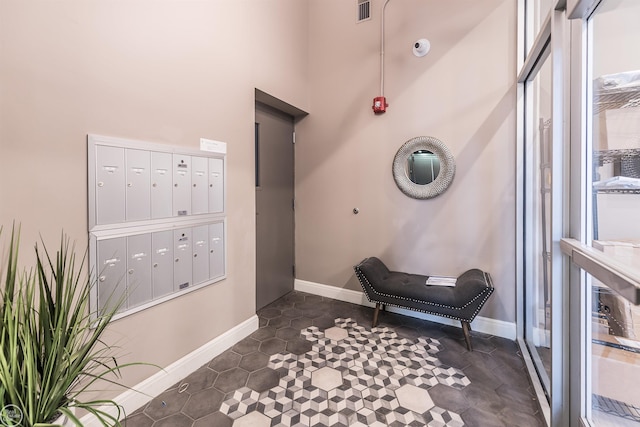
(462, 92)
(159, 71)
(172, 72)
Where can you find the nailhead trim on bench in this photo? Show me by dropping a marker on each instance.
(486, 293)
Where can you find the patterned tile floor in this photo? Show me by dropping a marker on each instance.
(317, 362)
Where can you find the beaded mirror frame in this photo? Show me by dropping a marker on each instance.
(442, 181)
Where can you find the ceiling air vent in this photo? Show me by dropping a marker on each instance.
(364, 10)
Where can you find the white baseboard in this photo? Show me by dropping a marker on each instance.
(153, 386)
(486, 325)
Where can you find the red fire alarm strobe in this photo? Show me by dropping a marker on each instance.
(379, 104)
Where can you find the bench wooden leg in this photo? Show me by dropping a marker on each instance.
(375, 315)
(466, 328)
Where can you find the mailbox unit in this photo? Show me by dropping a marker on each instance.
(157, 223)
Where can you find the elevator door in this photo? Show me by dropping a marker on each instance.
(274, 205)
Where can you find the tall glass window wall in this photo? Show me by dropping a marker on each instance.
(613, 216)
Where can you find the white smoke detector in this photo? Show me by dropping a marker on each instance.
(421, 47)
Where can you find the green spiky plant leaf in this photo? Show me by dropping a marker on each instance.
(51, 351)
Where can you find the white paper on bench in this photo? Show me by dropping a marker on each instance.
(441, 281)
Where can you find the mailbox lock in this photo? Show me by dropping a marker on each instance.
(194, 185)
(177, 259)
(131, 271)
(129, 185)
(102, 278)
(154, 184)
(155, 264)
(101, 184)
(195, 255)
(175, 185)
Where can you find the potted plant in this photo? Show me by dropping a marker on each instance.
(51, 351)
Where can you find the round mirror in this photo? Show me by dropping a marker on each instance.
(423, 167)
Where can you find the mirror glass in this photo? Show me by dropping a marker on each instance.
(423, 167)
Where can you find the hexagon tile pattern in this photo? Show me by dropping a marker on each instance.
(352, 376)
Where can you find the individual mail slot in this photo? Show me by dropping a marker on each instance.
(110, 185)
(199, 185)
(216, 185)
(200, 254)
(182, 254)
(216, 250)
(181, 185)
(162, 263)
(138, 181)
(161, 185)
(139, 279)
(112, 266)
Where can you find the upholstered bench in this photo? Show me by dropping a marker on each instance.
(460, 302)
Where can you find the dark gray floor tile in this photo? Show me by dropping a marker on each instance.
(263, 379)
(254, 361)
(216, 419)
(199, 380)
(310, 310)
(168, 403)
(226, 360)
(288, 333)
(486, 360)
(453, 357)
(247, 345)
(482, 344)
(339, 308)
(301, 323)
(293, 297)
(408, 332)
(475, 417)
(448, 397)
(313, 299)
(292, 313)
(269, 312)
(363, 315)
(514, 377)
(390, 320)
(518, 398)
(505, 345)
(279, 304)
(510, 359)
(138, 420)
(264, 333)
(480, 374)
(178, 420)
(231, 380)
(324, 322)
(262, 322)
(298, 346)
(280, 322)
(513, 417)
(203, 403)
(482, 397)
(272, 346)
